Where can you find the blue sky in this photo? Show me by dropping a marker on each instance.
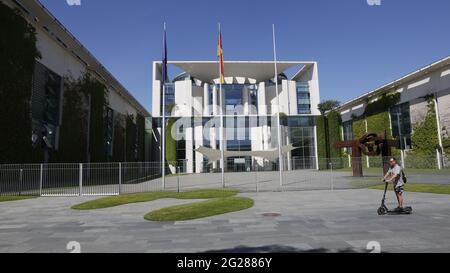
(358, 47)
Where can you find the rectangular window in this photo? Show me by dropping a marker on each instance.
(303, 139)
(401, 124)
(169, 97)
(347, 127)
(303, 98)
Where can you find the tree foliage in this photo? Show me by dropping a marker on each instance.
(328, 105)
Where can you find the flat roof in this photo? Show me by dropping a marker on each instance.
(41, 17)
(207, 71)
(397, 83)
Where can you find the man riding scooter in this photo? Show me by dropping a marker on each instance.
(394, 176)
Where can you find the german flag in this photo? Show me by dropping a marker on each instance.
(220, 56)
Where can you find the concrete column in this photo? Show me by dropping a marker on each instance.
(262, 104)
(206, 102)
(438, 123)
(245, 100)
(215, 101)
(289, 155)
(198, 142)
(189, 150)
(316, 148)
(213, 140)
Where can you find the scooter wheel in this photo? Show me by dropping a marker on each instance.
(382, 211)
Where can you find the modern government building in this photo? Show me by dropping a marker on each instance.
(249, 106)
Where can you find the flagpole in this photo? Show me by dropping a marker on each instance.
(280, 155)
(222, 139)
(163, 150)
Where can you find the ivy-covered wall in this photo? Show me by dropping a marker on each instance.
(424, 140)
(321, 143)
(18, 54)
(119, 138)
(98, 94)
(332, 133)
(140, 123)
(171, 144)
(130, 148)
(73, 130)
(376, 115)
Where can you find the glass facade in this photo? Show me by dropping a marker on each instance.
(235, 97)
(303, 139)
(169, 97)
(347, 127)
(401, 124)
(303, 98)
(238, 134)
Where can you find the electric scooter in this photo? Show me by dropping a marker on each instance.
(383, 210)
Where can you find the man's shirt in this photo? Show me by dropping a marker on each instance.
(396, 171)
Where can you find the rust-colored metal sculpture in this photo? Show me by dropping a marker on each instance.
(370, 144)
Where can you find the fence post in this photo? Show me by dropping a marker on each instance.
(332, 178)
(20, 181)
(81, 180)
(178, 178)
(41, 177)
(120, 178)
(256, 178)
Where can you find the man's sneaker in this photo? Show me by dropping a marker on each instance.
(398, 209)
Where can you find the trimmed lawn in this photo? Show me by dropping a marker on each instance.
(15, 198)
(379, 171)
(427, 188)
(114, 201)
(202, 209)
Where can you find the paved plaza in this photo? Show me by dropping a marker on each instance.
(294, 221)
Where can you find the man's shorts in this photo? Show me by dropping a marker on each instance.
(399, 188)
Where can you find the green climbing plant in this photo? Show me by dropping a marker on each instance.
(424, 139)
(171, 144)
(18, 54)
(73, 129)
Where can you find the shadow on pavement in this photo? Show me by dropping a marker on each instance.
(282, 249)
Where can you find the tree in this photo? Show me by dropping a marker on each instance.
(328, 105)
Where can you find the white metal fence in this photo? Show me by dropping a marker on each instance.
(71, 179)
